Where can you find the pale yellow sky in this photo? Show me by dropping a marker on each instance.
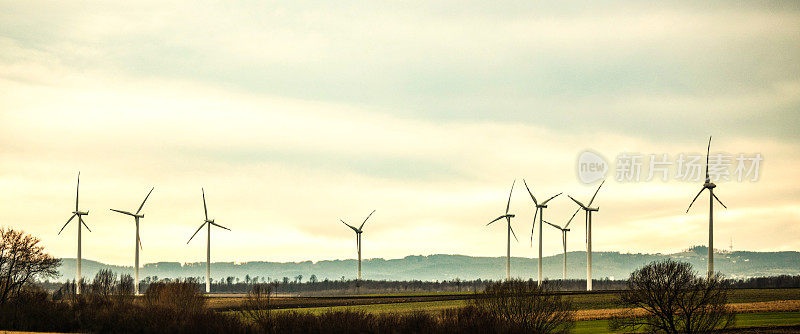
(295, 117)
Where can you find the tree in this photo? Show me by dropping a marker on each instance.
(313, 278)
(526, 307)
(22, 261)
(298, 278)
(104, 283)
(673, 299)
(257, 308)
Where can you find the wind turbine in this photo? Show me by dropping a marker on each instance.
(137, 244)
(79, 214)
(207, 222)
(588, 209)
(510, 231)
(540, 211)
(711, 197)
(358, 239)
(564, 231)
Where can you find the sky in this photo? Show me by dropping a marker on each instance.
(293, 115)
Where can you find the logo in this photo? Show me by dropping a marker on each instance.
(591, 167)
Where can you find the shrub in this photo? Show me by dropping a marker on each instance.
(182, 296)
(524, 306)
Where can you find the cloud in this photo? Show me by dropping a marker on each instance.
(293, 117)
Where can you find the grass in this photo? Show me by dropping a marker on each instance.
(743, 320)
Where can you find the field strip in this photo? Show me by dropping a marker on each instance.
(591, 314)
(757, 307)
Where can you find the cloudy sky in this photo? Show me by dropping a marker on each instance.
(293, 115)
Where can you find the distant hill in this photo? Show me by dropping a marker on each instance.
(613, 265)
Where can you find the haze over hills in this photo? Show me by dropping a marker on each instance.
(612, 265)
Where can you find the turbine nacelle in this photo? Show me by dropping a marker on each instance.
(709, 185)
(80, 213)
(210, 221)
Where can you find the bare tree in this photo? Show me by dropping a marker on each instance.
(22, 261)
(256, 307)
(673, 299)
(527, 307)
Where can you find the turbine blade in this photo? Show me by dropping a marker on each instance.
(548, 200)
(573, 216)
(220, 226)
(65, 225)
(595, 192)
(530, 193)
(348, 225)
(708, 151)
(508, 205)
(695, 198)
(122, 212)
(512, 232)
(195, 232)
(533, 227)
(84, 223)
(145, 200)
(720, 202)
(205, 208)
(365, 220)
(578, 202)
(496, 219)
(78, 191)
(140, 242)
(553, 225)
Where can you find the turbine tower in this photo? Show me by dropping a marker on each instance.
(510, 231)
(80, 215)
(207, 222)
(540, 211)
(564, 231)
(358, 239)
(588, 209)
(137, 244)
(711, 197)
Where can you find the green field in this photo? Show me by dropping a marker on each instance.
(587, 301)
(743, 320)
(592, 301)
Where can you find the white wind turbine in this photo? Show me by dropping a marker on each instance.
(564, 231)
(358, 239)
(588, 209)
(80, 215)
(207, 222)
(510, 231)
(539, 211)
(711, 197)
(137, 244)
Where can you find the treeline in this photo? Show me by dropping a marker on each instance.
(772, 282)
(349, 287)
